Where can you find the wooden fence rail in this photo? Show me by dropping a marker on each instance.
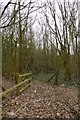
(26, 74)
(19, 86)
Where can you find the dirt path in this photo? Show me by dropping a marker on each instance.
(7, 83)
(42, 101)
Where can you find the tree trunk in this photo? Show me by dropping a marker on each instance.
(79, 52)
(20, 42)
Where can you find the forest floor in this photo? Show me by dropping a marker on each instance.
(41, 100)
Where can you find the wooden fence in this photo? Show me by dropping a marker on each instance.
(22, 80)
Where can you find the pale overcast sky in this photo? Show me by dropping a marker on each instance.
(5, 1)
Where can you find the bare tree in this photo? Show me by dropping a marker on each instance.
(65, 34)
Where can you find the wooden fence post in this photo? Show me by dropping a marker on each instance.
(18, 81)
